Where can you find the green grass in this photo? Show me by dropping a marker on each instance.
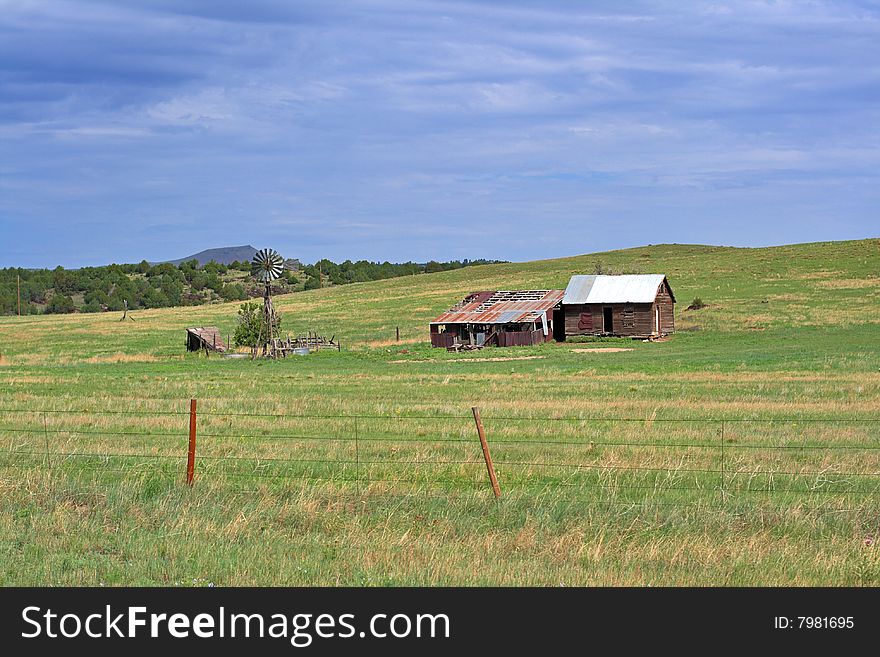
(787, 348)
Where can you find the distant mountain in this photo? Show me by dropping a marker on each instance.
(223, 255)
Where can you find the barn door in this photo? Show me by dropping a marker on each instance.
(608, 320)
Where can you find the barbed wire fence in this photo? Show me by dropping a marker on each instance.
(631, 461)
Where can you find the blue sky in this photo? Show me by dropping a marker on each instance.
(400, 129)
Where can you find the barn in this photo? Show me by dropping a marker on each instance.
(636, 306)
(504, 318)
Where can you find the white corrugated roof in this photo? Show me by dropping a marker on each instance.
(628, 288)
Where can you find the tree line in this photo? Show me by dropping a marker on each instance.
(326, 272)
(145, 285)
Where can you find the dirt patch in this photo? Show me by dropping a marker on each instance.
(609, 350)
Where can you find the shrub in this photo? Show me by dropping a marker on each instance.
(233, 292)
(60, 303)
(247, 333)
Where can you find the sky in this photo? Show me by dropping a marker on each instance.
(410, 130)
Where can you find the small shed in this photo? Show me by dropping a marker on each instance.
(504, 318)
(204, 337)
(636, 306)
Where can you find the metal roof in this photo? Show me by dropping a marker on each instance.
(501, 307)
(629, 288)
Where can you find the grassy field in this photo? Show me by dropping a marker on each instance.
(745, 450)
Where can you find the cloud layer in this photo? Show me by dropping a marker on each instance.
(394, 129)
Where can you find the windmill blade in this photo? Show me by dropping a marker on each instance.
(267, 265)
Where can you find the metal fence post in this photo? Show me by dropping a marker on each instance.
(488, 457)
(191, 456)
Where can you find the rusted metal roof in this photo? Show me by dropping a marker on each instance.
(501, 307)
(629, 288)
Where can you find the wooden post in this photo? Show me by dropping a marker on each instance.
(191, 457)
(488, 457)
(398, 334)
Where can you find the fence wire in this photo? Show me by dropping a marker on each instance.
(625, 461)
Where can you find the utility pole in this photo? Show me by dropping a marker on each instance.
(19, 294)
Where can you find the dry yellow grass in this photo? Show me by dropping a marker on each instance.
(120, 357)
(391, 342)
(850, 283)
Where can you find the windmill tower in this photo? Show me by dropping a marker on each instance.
(267, 265)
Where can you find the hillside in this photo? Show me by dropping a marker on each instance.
(828, 285)
(142, 285)
(225, 255)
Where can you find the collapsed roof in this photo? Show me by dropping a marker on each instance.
(501, 307)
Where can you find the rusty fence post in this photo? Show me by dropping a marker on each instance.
(46, 436)
(723, 491)
(191, 456)
(357, 458)
(488, 457)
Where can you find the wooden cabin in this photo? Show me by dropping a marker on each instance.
(504, 318)
(635, 306)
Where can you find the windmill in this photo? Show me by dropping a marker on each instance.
(267, 265)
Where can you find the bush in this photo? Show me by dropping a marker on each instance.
(247, 333)
(696, 304)
(233, 292)
(60, 303)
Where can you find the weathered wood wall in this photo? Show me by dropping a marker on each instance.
(628, 319)
(521, 338)
(442, 339)
(667, 310)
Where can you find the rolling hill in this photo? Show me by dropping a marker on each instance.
(822, 286)
(224, 255)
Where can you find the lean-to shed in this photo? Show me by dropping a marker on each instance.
(204, 337)
(634, 305)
